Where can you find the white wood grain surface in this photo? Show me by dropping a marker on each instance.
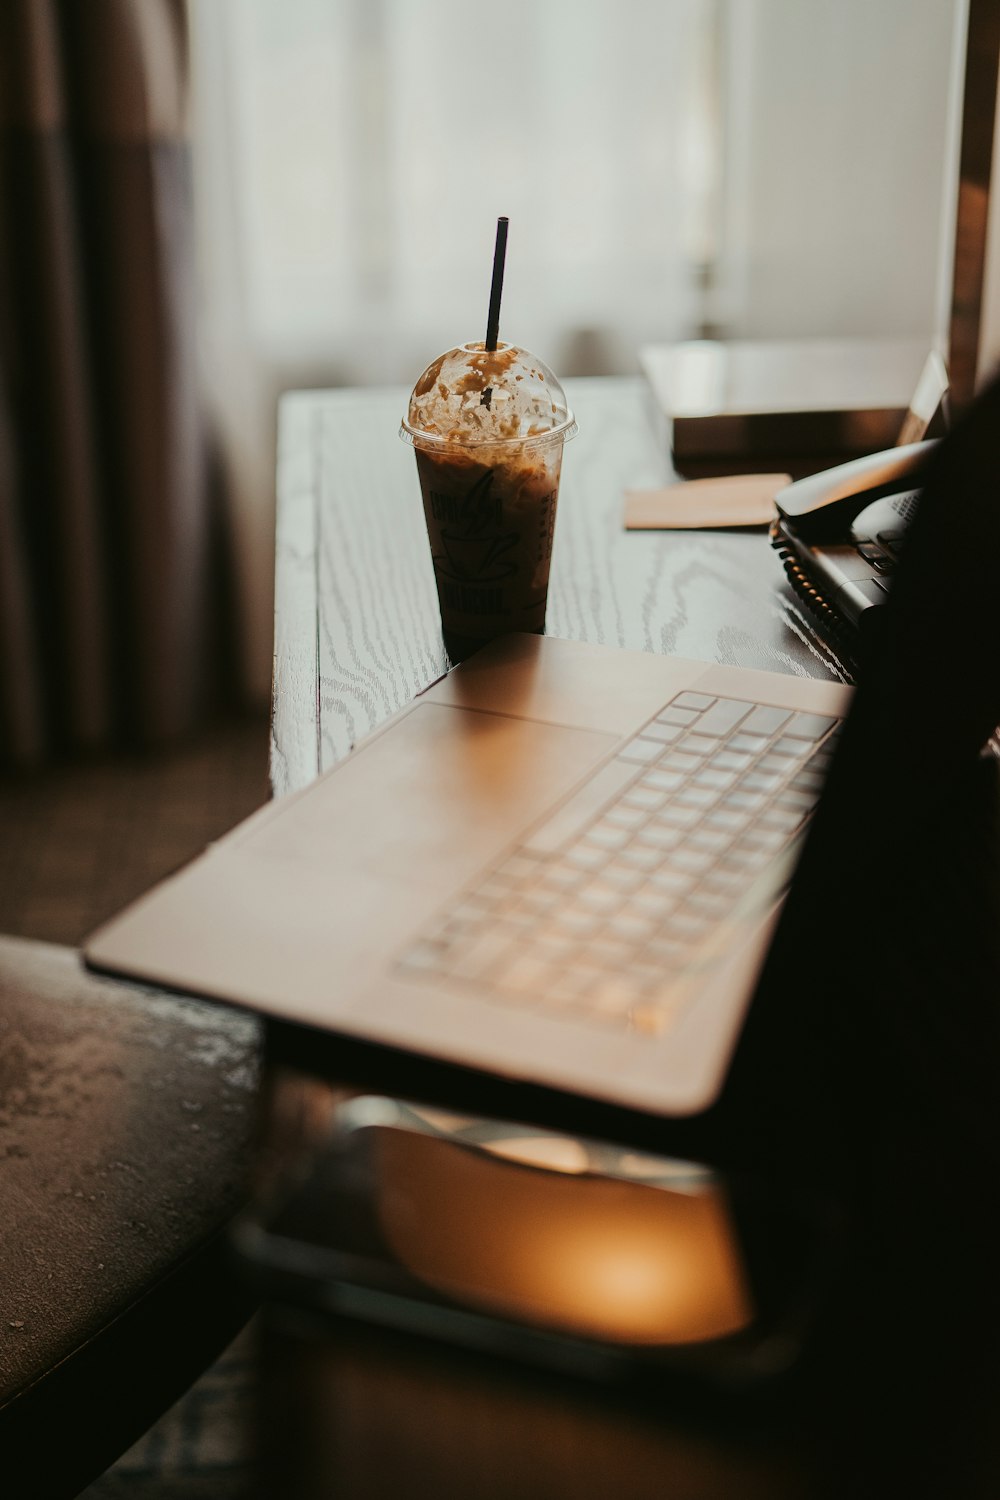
(357, 630)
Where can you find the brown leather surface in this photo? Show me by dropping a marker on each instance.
(126, 1118)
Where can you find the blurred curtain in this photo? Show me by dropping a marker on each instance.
(105, 526)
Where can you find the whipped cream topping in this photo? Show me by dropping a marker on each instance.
(473, 395)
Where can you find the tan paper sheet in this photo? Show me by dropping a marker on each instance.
(736, 500)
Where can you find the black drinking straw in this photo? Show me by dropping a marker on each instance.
(499, 256)
(496, 289)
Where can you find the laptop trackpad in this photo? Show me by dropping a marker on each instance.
(436, 795)
(296, 911)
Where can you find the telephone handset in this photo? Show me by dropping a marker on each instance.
(841, 533)
(811, 503)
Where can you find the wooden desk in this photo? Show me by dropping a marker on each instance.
(357, 630)
(901, 1395)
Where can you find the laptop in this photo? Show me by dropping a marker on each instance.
(565, 863)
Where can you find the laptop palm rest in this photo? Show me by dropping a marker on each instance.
(299, 909)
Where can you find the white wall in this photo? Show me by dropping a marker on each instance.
(840, 158)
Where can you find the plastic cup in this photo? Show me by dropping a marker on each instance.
(488, 429)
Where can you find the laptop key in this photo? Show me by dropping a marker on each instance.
(751, 744)
(808, 781)
(809, 726)
(775, 763)
(710, 903)
(723, 716)
(765, 720)
(581, 857)
(669, 952)
(739, 859)
(644, 797)
(665, 733)
(624, 816)
(760, 781)
(605, 786)
(653, 902)
(697, 796)
(661, 780)
(641, 752)
(792, 796)
(710, 776)
(692, 700)
(728, 817)
(600, 898)
(688, 923)
(785, 818)
(821, 758)
(677, 760)
(641, 856)
(789, 748)
(700, 744)
(725, 877)
(661, 835)
(627, 878)
(607, 836)
(750, 801)
(712, 839)
(567, 876)
(731, 760)
(676, 815)
(575, 923)
(538, 900)
(631, 927)
(678, 716)
(693, 860)
(762, 838)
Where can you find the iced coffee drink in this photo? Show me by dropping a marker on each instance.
(488, 428)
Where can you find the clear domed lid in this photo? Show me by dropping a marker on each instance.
(474, 395)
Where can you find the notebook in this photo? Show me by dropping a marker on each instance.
(564, 863)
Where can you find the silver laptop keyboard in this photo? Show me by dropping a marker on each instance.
(604, 904)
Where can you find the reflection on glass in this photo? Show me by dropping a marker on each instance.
(554, 1152)
(595, 1255)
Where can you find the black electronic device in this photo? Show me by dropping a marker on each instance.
(841, 533)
